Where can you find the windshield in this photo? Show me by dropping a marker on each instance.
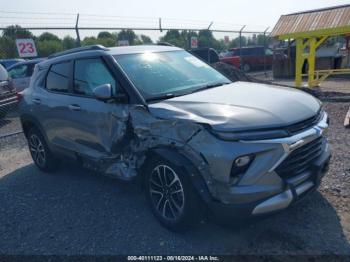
(168, 74)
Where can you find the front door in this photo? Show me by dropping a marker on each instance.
(98, 126)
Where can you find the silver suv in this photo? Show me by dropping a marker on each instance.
(195, 138)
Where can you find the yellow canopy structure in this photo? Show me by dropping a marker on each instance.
(310, 29)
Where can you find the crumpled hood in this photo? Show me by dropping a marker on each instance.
(240, 106)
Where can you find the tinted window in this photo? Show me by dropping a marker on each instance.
(19, 71)
(58, 78)
(247, 51)
(90, 73)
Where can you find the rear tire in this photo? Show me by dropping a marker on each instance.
(40, 152)
(171, 195)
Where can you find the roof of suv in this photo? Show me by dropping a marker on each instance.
(101, 50)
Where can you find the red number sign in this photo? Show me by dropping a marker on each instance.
(26, 48)
(194, 42)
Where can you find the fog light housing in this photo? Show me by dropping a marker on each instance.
(239, 167)
(242, 161)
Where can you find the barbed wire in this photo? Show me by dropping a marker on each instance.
(113, 21)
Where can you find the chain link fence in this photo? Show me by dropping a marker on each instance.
(92, 29)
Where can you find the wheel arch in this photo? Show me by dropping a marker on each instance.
(174, 156)
(28, 122)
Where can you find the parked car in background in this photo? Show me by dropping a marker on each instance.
(6, 63)
(248, 58)
(21, 73)
(7, 92)
(208, 55)
(194, 138)
(228, 57)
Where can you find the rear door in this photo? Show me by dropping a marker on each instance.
(51, 106)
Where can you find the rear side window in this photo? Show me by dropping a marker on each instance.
(90, 73)
(19, 72)
(58, 78)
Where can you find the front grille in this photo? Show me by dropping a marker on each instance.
(300, 159)
(305, 124)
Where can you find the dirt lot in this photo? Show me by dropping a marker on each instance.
(75, 211)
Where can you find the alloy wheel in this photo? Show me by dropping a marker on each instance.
(167, 193)
(37, 150)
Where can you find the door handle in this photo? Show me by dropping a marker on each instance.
(36, 101)
(74, 107)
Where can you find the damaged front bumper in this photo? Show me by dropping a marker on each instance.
(289, 195)
(266, 187)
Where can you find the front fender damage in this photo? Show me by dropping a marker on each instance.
(142, 133)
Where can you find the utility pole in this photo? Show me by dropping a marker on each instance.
(77, 31)
(240, 47)
(160, 25)
(265, 51)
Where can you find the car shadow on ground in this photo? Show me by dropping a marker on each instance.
(75, 211)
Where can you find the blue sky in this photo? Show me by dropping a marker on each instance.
(256, 14)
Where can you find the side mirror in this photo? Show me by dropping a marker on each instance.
(103, 92)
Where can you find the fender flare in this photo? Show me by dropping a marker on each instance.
(34, 122)
(174, 156)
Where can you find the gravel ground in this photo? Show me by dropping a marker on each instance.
(75, 211)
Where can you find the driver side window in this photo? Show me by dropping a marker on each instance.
(90, 73)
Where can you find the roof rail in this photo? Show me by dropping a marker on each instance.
(78, 49)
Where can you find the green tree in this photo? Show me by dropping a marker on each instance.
(106, 39)
(128, 35)
(16, 31)
(8, 40)
(46, 36)
(68, 42)
(105, 34)
(146, 39)
(260, 39)
(206, 39)
(7, 47)
(174, 37)
(235, 42)
(48, 47)
(91, 40)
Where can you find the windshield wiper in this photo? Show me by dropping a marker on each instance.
(163, 97)
(210, 86)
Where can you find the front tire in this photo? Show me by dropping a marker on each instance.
(40, 152)
(171, 195)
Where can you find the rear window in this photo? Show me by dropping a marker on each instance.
(58, 78)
